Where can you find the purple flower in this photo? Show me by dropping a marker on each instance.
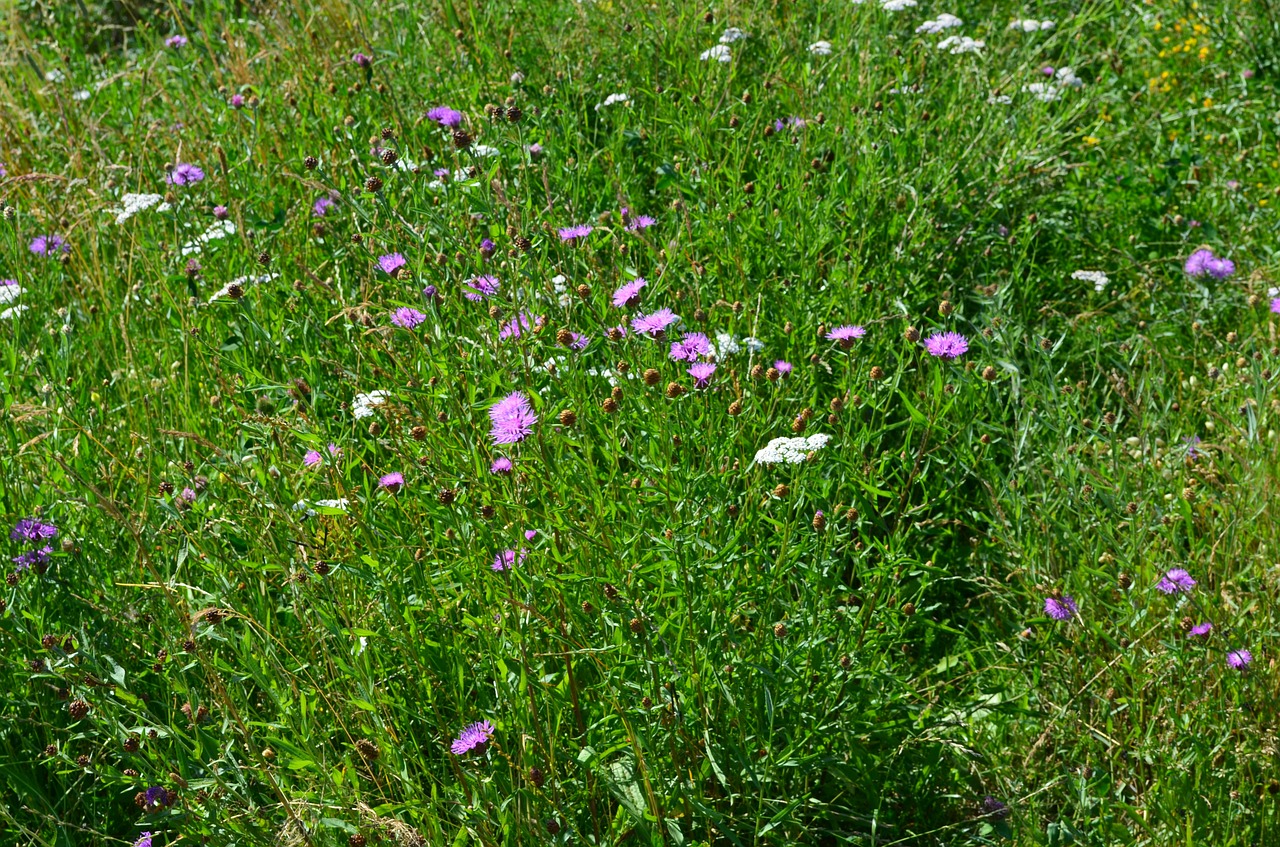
(362, 60)
(1176, 581)
(846, 335)
(334, 450)
(640, 222)
(144, 840)
(221, 213)
(3, 170)
(1048, 70)
(1060, 608)
(174, 42)
(946, 345)
(1197, 263)
(654, 323)
(573, 233)
(473, 739)
(322, 206)
(430, 292)
(994, 809)
(312, 458)
(481, 288)
(31, 529)
(1239, 659)
(1275, 305)
(1219, 268)
(155, 797)
(237, 101)
(441, 173)
(48, 245)
(501, 466)
(407, 317)
(628, 294)
(530, 534)
(391, 262)
(578, 341)
(693, 345)
(701, 372)
(187, 495)
(33, 557)
(782, 367)
(515, 327)
(487, 248)
(512, 419)
(184, 173)
(1191, 442)
(534, 150)
(508, 559)
(445, 116)
(393, 482)
(1200, 630)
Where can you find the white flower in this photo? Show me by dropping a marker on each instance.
(1067, 77)
(820, 48)
(308, 506)
(1098, 278)
(943, 21)
(613, 98)
(55, 75)
(718, 53)
(754, 345)
(240, 282)
(484, 150)
(12, 312)
(961, 44)
(363, 405)
(131, 204)
(1031, 25)
(9, 293)
(731, 35)
(220, 229)
(80, 95)
(1002, 99)
(896, 5)
(1043, 91)
(791, 451)
(517, 78)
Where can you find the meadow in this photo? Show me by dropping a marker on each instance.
(805, 422)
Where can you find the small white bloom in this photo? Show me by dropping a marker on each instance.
(1001, 99)
(1067, 77)
(725, 345)
(896, 5)
(731, 35)
(241, 282)
(364, 404)
(80, 95)
(718, 53)
(754, 345)
(517, 78)
(131, 204)
(791, 451)
(55, 75)
(9, 293)
(12, 312)
(484, 150)
(1098, 278)
(955, 44)
(612, 99)
(1030, 25)
(943, 21)
(220, 229)
(820, 48)
(1043, 91)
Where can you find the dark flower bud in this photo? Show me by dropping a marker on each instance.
(311, 163)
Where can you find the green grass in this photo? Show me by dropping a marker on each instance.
(696, 648)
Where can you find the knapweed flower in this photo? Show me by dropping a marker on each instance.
(1275, 305)
(322, 206)
(701, 373)
(184, 173)
(407, 317)
(487, 248)
(155, 798)
(221, 213)
(175, 42)
(573, 233)
(480, 287)
(628, 294)
(312, 458)
(1060, 608)
(1200, 630)
(846, 335)
(946, 345)
(1176, 581)
(501, 466)
(361, 60)
(693, 345)
(445, 116)
(237, 101)
(391, 262)
(640, 222)
(32, 529)
(517, 326)
(1195, 264)
(144, 840)
(1220, 268)
(530, 534)
(578, 341)
(512, 419)
(820, 48)
(654, 323)
(717, 53)
(393, 481)
(473, 739)
(783, 367)
(791, 451)
(32, 558)
(49, 245)
(1239, 659)
(508, 559)
(994, 809)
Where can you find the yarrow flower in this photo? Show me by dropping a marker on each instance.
(957, 44)
(1030, 25)
(573, 233)
(693, 345)
(512, 419)
(654, 323)
(1200, 630)
(393, 482)
(363, 404)
(501, 466)
(391, 262)
(612, 99)
(185, 173)
(1176, 581)
(731, 35)
(791, 451)
(820, 48)
(1239, 659)
(946, 345)
(9, 291)
(1098, 278)
(701, 372)
(508, 559)
(628, 294)
(473, 739)
(445, 116)
(407, 317)
(942, 22)
(1060, 608)
(48, 245)
(132, 204)
(480, 287)
(717, 53)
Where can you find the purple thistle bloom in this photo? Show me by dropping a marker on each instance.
(628, 294)
(362, 60)
(654, 323)
(515, 327)
(572, 233)
(693, 345)
(501, 466)
(174, 42)
(534, 150)
(512, 419)
(1239, 659)
(481, 287)
(48, 245)
(1176, 581)
(1060, 608)
(508, 559)
(156, 796)
(1197, 263)
(334, 450)
(30, 529)
(473, 739)
(312, 458)
(393, 482)
(782, 367)
(237, 101)
(994, 809)
(1275, 305)
(187, 495)
(1191, 442)
(430, 292)
(578, 341)
(946, 345)
(640, 222)
(144, 840)
(441, 173)
(530, 534)
(322, 206)
(445, 116)
(407, 317)
(487, 248)
(391, 262)
(846, 335)
(33, 557)
(185, 173)
(1200, 630)
(1219, 268)
(221, 213)
(701, 372)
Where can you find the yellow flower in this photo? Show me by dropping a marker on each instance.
(1208, 102)
(1091, 140)
(1204, 53)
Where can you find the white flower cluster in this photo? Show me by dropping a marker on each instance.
(1031, 25)
(364, 404)
(820, 48)
(731, 35)
(131, 204)
(942, 22)
(1098, 278)
(1050, 91)
(240, 282)
(308, 506)
(718, 53)
(961, 44)
(791, 451)
(220, 229)
(10, 291)
(612, 99)
(896, 5)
